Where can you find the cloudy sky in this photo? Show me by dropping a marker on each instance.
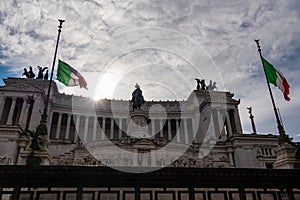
(162, 45)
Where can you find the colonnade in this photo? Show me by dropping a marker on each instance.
(67, 126)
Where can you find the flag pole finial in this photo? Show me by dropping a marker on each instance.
(257, 43)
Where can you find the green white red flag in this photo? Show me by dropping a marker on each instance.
(69, 76)
(275, 77)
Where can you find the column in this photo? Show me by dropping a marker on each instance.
(77, 128)
(49, 121)
(57, 133)
(237, 121)
(153, 127)
(68, 126)
(103, 129)
(111, 128)
(120, 127)
(23, 116)
(169, 130)
(161, 133)
(35, 115)
(177, 131)
(135, 155)
(86, 125)
(231, 162)
(11, 111)
(228, 124)
(153, 159)
(95, 128)
(2, 101)
(186, 136)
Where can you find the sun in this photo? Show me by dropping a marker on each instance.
(105, 87)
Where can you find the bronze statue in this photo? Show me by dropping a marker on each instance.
(215, 86)
(203, 85)
(198, 83)
(46, 75)
(41, 71)
(29, 74)
(250, 110)
(137, 98)
(211, 85)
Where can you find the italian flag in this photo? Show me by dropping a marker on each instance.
(69, 76)
(275, 77)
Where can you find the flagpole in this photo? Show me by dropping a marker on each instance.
(282, 136)
(40, 138)
(53, 64)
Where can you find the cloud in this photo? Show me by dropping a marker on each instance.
(169, 39)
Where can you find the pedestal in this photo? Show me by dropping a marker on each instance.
(286, 157)
(137, 125)
(45, 156)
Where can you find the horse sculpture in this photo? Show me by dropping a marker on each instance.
(41, 71)
(29, 74)
(200, 84)
(212, 85)
(137, 98)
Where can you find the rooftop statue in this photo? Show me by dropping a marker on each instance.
(212, 85)
(46, 75)
(41, 71)
(29, 74)
(202, 83)
(137, 98)
(198, 83)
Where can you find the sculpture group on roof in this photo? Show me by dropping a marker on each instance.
(29, 73)
(202, 86)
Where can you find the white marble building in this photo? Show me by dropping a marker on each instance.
(202, 131)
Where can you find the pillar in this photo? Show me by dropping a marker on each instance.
(237, 122)
(111, 128)
(2, 101)
(153, 159)
(95, 128)
(161, 133)
(169, 130)
(120, 127)
(153, 127)
(228, 125)
(86, 125)
(57, 133)
(49, 121)
(186, 136)
(68, 126)
(11, 111)
(177, 131)
(103, 129)
(23, 115)
(77, 128)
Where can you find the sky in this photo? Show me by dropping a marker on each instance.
(163, 46)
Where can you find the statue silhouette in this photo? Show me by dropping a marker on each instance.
(211, 85)
(28, 74)
(46, 75)
(198, 83)
(203, 85)
(137, 98)
(41, 70)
